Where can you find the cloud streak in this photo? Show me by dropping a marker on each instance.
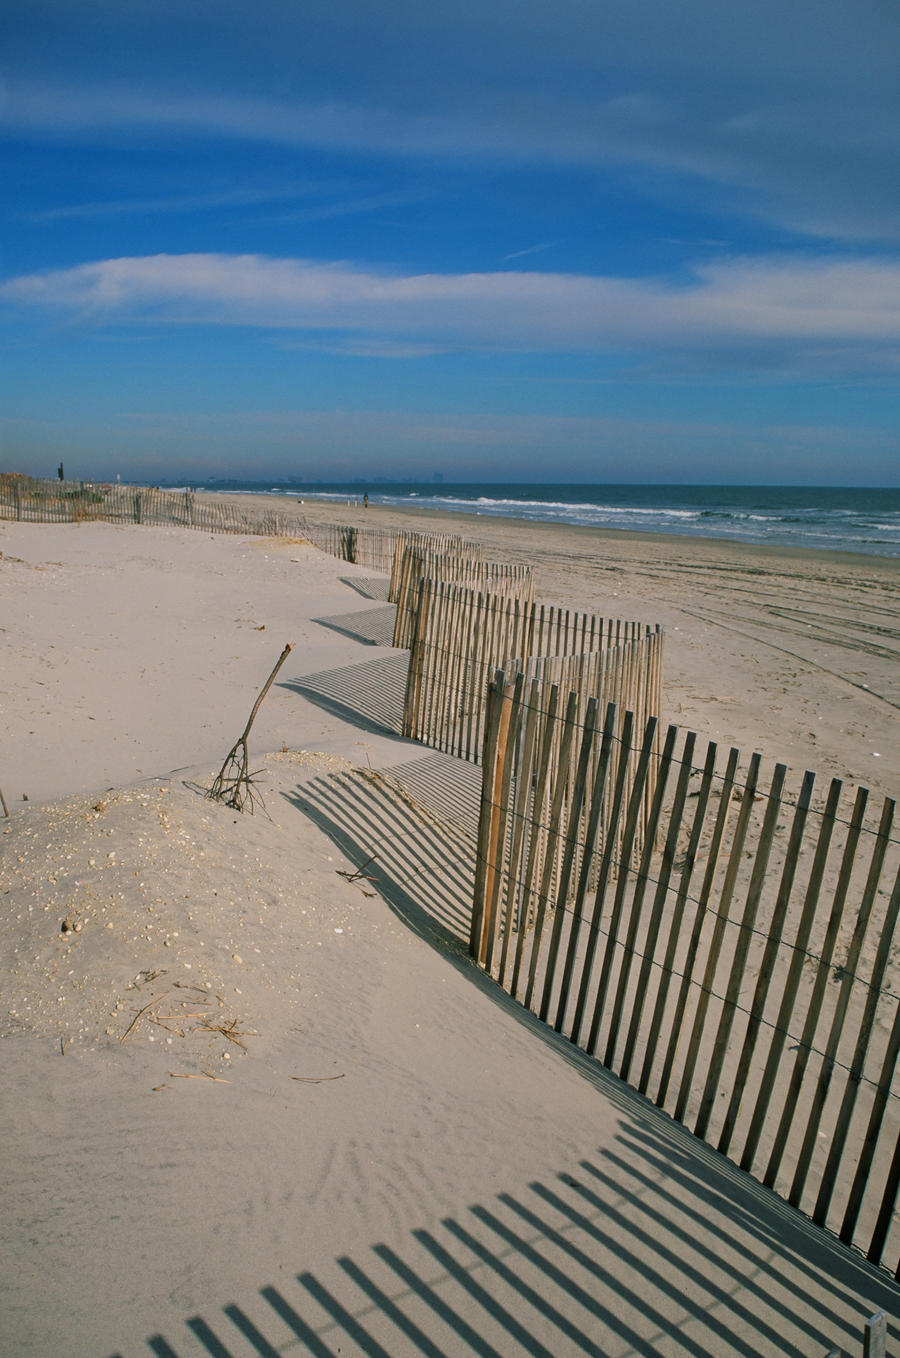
(817, 165)
(768, 311)
(210, 201)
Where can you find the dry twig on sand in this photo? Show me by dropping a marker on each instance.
(229, 1030)
(360, 874)
(141, 1012)
(207, 1075)
(234, 783)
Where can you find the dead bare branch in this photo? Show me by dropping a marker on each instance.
(234, 785)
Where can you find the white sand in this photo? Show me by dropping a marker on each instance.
(401, 1161)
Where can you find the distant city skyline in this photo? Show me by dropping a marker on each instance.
(511, 241)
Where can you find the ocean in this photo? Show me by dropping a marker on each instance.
(852, 519)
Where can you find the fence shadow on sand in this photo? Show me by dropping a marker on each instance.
(371, 626)
(375, 588)
(650, 1244)
(662, 1225)
(369, 696)
(422, 867)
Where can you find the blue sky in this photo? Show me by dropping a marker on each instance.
(504, 241)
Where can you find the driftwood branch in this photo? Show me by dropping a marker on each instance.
(234, 783)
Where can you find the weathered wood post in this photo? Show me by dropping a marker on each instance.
(875, 1336)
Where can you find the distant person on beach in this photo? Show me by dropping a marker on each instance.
(366, 500)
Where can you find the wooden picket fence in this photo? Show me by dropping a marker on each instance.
(463, 635)
(463, 564)
(733, 954)
(31, 501)
(442, 544)
(370, 547)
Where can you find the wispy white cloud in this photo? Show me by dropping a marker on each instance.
(791, 154)
(333, 124)
(530, 250)
(356, 206)
(764, 311)
(211, 201)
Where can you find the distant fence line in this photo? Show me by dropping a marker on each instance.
(739, 969)
(75, 502)
(33, 501)
(460, 614)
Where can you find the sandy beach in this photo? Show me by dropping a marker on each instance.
(396, 1158)
(790, 652)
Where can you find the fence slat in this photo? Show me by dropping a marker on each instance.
(715, 946)
(637, 902)
(504, 748)
(556, 805)
(574, 821)
(854, 1075)
(867, 1153)
(886, 1211)
(607, 859)
(624, 867)
(515, 920)
(767, 962)
(875, 1336)
(597, 802)
(840, 1012)
(483, 865)
(739, 962)
(656, 914)
(540, 791)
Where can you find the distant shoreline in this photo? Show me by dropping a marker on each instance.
(491, 527)
(864, 521)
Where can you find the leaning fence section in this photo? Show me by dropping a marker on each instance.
(737, 962)
(462, 564)
(463, 635)
(441, 544)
